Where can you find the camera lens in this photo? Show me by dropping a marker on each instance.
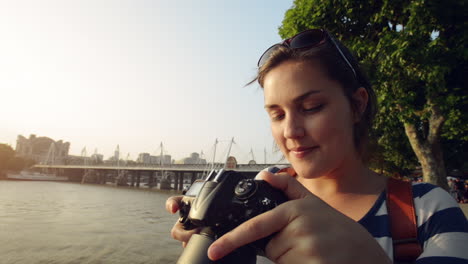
(245, 188)
(196, 250)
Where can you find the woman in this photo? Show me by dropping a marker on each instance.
(321, 107)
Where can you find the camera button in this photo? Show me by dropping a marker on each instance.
(245, 189)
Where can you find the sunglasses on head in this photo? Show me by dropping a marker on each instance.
(305, 40)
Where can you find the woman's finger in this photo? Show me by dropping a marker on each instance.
(179, 233)
(258, 227)
(262, 174)
(172, 204)
(285, 182)
(264, 224)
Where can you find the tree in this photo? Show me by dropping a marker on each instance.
(414, 53)
(390, 153)
(6, 154)
(8, 161)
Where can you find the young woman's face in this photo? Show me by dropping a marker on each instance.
(311, 119)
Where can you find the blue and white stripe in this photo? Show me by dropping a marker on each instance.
(442, 226)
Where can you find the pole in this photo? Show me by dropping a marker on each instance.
(214, 155)
(229, 152)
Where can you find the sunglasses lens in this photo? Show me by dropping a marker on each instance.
(307, 38)
(267, 54)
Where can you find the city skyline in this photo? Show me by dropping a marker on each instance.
(25, 147)
(99, 74)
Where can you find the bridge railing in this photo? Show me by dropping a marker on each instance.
(174, 167)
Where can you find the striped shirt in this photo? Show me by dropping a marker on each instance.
(442, 226)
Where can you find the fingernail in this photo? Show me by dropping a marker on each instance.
(214, 252)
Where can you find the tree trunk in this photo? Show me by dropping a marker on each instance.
(428, 150)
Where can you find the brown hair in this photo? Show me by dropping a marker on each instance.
(338, 70)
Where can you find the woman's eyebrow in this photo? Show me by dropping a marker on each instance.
(271, 106)
(305, 95)
(295, 100)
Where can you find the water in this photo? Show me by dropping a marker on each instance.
(55, 222)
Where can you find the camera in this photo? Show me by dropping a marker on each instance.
(218, 204)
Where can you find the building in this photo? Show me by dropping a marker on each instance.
(97, 158)
(42, 149)
(147, 159)
(143, 158)
(194, 159)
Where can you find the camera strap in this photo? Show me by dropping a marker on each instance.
(403, 225)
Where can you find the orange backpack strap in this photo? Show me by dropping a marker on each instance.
(403, 225)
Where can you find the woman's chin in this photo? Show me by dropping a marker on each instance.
(307, 172)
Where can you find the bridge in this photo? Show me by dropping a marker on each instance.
(132, 173)
(175, 175)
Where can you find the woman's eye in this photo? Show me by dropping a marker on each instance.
(313, 109)
(276, 116)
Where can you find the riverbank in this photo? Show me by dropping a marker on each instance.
(40, 177)
(22, 176)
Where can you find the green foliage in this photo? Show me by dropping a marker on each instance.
(415, 55)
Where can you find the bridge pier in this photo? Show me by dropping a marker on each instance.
(138, 179)
(151, 180)
(176, 182)
(194, 177)
(181, 181)
(132, 181)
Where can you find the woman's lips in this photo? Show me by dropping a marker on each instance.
(302, 151)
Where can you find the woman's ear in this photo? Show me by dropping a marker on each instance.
(360, 98)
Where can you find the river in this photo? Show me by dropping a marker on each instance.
(61, 222)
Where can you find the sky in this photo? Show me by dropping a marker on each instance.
(135, 73)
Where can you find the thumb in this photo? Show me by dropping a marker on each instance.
(286, 183)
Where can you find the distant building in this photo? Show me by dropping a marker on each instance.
(97, 158)
(76, 160)
(143, 158)
(42, 149)
(146, 158)
(194, 159)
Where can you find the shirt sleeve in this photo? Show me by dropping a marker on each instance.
(442, 226)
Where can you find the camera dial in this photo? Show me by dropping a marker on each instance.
(245, 189)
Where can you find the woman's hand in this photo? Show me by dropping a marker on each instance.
(308, 231)
(178, 232)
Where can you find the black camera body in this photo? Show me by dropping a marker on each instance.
(219, 204)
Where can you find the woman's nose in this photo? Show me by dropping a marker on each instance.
(294, 128)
